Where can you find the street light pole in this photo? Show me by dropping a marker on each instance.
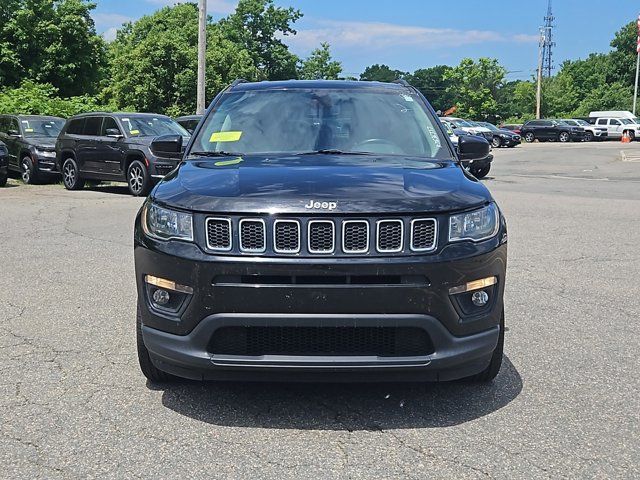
(202, 55)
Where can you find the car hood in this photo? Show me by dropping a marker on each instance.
(286, 184)
(508, 132)
(42, 142)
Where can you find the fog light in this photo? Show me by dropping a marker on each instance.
(161, 297)
(480, 298)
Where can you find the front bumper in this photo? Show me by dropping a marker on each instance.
(46, 165)
(577, 136)
(181, 343)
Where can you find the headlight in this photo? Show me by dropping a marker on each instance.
(45, 153)
(165, 224)
(477, 225)
(504, 135)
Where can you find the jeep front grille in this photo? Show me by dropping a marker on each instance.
(423, 234)
(253, 235)
(390, 236)
(355, 236)
(286, 236)
(322, 236)
(219, 234)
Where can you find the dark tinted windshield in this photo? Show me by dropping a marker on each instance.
(41, 128)
(306, 120)
(148, 126)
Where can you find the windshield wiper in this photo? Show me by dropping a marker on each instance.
(333, 151)
(216, 154)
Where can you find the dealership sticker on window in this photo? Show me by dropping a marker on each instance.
(408, 98)
(134, 132)
(28, 130)
(225, 136)
(434, 136)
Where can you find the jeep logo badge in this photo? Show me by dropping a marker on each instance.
(326, 205)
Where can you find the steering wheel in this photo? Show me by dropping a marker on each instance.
(394, 148)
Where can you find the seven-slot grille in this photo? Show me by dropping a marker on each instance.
(219, 234)
(423, 234)
(253, 235)
(286, 236)
(321, 236)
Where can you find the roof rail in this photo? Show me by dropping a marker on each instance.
(238, 81)
(402, 81)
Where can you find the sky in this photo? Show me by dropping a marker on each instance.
(412, 34)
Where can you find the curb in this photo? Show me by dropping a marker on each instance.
(629, 158)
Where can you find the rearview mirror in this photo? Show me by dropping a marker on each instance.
(167, 145)
(471, 147)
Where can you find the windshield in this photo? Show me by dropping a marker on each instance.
(490, 126)
(300, 120)
(148, 126)
(461, 123)
(583, 123)
(569, 122)
(42, 128)
(626, 121)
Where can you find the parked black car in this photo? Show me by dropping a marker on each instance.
(501, 137)
(4, 163)
(551, 130)
(321, 229)
(189, 122)
(31, 141)
(115, 147)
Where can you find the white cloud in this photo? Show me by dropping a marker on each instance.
(525, 38)
(110, 19)
(378, 35)
(110, 34)
(224, 7)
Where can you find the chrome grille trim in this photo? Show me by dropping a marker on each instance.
(394, 250)
(230, 238)
(333, 239)
(264, 235)
(275, 236)
(344, 231)
(435, 235)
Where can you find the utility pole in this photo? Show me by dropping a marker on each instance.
(635, 93)
(539, 90)
(202, 55)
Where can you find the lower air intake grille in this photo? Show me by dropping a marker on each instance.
(423, 234)
(331, 341)
(219, 234)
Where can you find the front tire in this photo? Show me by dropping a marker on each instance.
(588, 136)
(632, 135)
(71, 175)
(496, 142)
(529, 137)
(28, 172)
(492, 370)
(564, 137)
(149, 370)
(138, 179)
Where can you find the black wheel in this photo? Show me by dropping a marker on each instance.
(149, 370)
(496, 142)
(3, 180)
(529, 137)
(588, 136)
(489, 373)
(564, 137)
(138, 179)
(71, 175)
(632, 135)
(28, 172)
(480, 172)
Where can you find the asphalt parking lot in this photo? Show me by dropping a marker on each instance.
(73, 403)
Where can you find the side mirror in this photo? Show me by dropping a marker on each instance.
(471, 147)
(167, 145)
(14, 133)
(114, 133)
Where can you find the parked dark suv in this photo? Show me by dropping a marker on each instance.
(115, 147)
(323, 230)
(551, 130)
(31, 141)
(189, 122)
(4, 163)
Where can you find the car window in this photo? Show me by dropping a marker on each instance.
(602, 121)
(41, 127)
(4, 124)
(626, 121)
(305, 120)
(76, 126)
(92, 126)
(613, 121)
(150, 126)
(107, 124)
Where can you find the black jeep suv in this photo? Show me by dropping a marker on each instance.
(551, 130)
(4, 162)
(30, 140)
(320, 230)
(115, 147)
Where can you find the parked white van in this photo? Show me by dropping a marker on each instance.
(615, 114)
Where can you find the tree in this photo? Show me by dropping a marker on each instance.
(474, 86)
(257, 26)
(319, 66)
(51, 42)
(623, 57)
(381, 73)
(560, 96)
(432, 84)
(154, 62)
(614, 96)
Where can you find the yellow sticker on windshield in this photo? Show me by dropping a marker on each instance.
(225, 163)
(134, 132)
(28, 130)
(225, 136)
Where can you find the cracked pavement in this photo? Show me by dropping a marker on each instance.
(73, 403)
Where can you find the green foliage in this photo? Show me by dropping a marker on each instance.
(51, 42)
(381, 73)
(257, 27)
(319, 66)
(43, 99)
(433, 85)
(474, 86)
(608, 96)
(154, 62)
